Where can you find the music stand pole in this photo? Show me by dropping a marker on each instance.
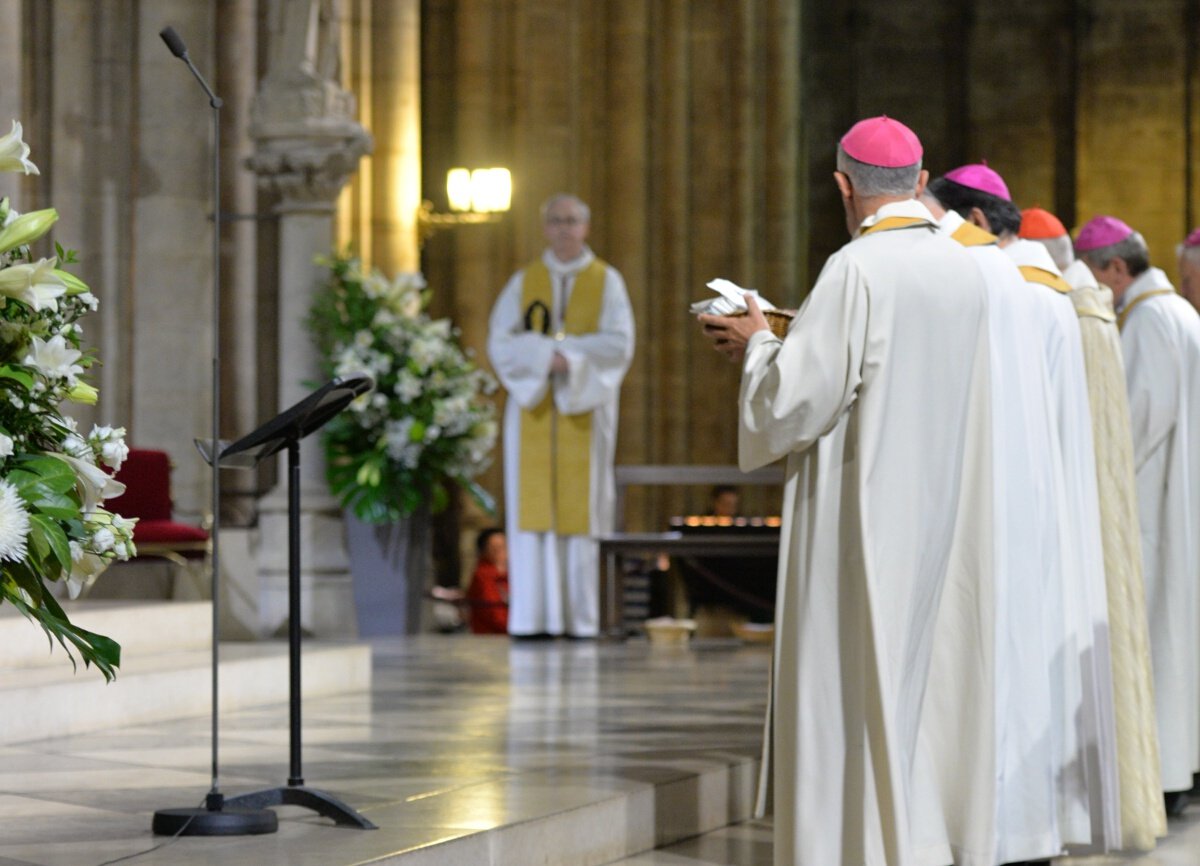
(296, 793)
(295, 776)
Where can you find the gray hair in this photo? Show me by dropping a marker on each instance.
(566, 196)
(873, 180)
(1060, 249)
(1132, 250)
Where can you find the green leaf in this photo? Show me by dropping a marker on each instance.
(25, 380)
(25, 578)
(93, 648)
(55, 474)
(53, 537)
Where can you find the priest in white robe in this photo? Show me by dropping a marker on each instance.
(1160, 339)
(560, 339)
(1084, 730)
(879, 400)
(993, 761)
(1143, 817)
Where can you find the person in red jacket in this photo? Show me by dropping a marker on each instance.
(488, 593)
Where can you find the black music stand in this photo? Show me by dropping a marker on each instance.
(285, 431)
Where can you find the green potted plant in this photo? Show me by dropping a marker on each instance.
(393, 455)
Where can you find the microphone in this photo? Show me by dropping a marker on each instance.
(173, 41)
(177, 47)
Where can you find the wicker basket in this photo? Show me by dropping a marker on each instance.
(778, 320)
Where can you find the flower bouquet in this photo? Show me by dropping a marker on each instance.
(53, 526)
(426, 423)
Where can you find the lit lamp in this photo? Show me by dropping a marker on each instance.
(476, 196)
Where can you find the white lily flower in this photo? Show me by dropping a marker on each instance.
(54, 358)
(93, 483)
(37, 285)
(85, 568)
(14, 152)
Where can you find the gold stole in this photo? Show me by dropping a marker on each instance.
(1033, 274)
(556, 450)
(895, 222)
(1145, 296)
(971, 235)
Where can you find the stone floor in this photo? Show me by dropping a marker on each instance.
(471, 751)
(467, 750)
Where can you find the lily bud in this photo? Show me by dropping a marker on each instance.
(75, 286)
(27, 228)
(84, 394)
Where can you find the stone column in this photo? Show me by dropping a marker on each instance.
(307, 145)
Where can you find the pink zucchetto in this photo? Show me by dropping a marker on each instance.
(1101, 231)
(978, 176)
(1193, 240)
(883, 142)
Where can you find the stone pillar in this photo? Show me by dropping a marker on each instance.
(12, 104)
(307, 145)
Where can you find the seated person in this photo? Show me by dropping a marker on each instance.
(725, 501)
(487, 594)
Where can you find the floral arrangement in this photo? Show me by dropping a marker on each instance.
(426, 423)
(53, 526)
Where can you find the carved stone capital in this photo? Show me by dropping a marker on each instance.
(307, 141)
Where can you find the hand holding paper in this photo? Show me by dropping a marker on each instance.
(731, 299)
(730, 334)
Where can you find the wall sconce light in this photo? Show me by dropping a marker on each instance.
(476, 196)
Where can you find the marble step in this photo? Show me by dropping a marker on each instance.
(137, 626)
(573, 815)
(558, 817)
(157, 684)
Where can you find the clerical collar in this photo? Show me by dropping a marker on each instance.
(572, 266)
(950, 221)
(1150, 280)
(1026, 252)
(908, 208)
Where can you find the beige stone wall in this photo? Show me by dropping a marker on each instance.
(702, 133)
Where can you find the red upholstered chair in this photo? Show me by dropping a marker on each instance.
(146, 474)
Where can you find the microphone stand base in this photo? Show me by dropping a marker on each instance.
(224, 821)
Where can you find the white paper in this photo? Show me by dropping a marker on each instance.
(731, 298)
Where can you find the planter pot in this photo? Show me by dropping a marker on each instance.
(391, 566)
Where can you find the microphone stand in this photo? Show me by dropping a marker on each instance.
(213, 819)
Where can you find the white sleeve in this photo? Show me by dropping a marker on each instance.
(520, 358)
(597, 361)
(795, 390)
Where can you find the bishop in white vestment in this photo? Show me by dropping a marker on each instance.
(1160, 339)
(1143, 818)
(1082, 737)
(993, 760)
(878, 399)
(560, 339)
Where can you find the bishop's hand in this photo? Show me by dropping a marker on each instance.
(730, 334)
